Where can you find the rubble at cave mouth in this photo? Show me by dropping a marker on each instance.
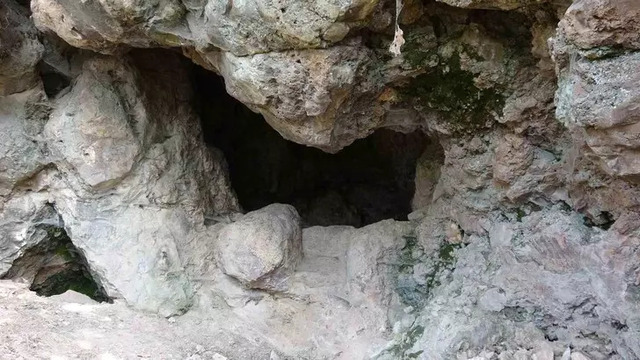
(54, 265)
(369, 181)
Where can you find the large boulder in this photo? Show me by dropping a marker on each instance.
(262, 248)
(602, 23)
(312, 97)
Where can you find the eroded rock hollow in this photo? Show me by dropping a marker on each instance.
(278, 184)
(371, 180)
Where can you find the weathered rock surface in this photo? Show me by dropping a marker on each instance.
(314, 94)
(241, 28)
(22, 117)
(263, 247)
(112, 150)
(523, 242)
(20, 50)
(590, 24)
(599, 98)
(579, 278)
(597, 90)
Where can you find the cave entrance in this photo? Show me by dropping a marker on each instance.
(368, 181)
(54, 265)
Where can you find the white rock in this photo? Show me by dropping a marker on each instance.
(576, 355)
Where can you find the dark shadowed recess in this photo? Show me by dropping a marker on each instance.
(54, 265)
(369, 181)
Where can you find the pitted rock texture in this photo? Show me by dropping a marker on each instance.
(242, 28)
(591, 24)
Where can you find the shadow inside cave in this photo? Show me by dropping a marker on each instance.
(368, 181)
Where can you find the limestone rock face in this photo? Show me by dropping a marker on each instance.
(20, 50)
(101, 125)
(102, 149)
(598, 87)
(600, 98)
(591, 24)
(242, 28)
(557, 248)
(309, 96)
(22, 118)
(113, 150)
(262, 249)
(523, 240)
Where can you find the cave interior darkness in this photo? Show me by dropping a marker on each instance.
(54, 265)
(368, 181)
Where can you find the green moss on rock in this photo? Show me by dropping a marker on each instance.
(405, 342)
(452, 91)
(416, 293)
(55, 265)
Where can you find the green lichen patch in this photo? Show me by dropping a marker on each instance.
(604, 52)
(414, 287)
(452, 91)
(420, 46)
(56, 265)
(74, 278)
(404, 342)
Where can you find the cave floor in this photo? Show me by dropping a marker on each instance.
(72, 326)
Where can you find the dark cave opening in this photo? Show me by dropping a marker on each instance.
(368, 181)
(52, 80)
(54, 265)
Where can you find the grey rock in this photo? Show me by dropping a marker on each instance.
(309, 96)
(22, 118)
(100, 127)
(242, 28)
(597, 98)
(20, 50)
(263, 247)
(526, 227)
